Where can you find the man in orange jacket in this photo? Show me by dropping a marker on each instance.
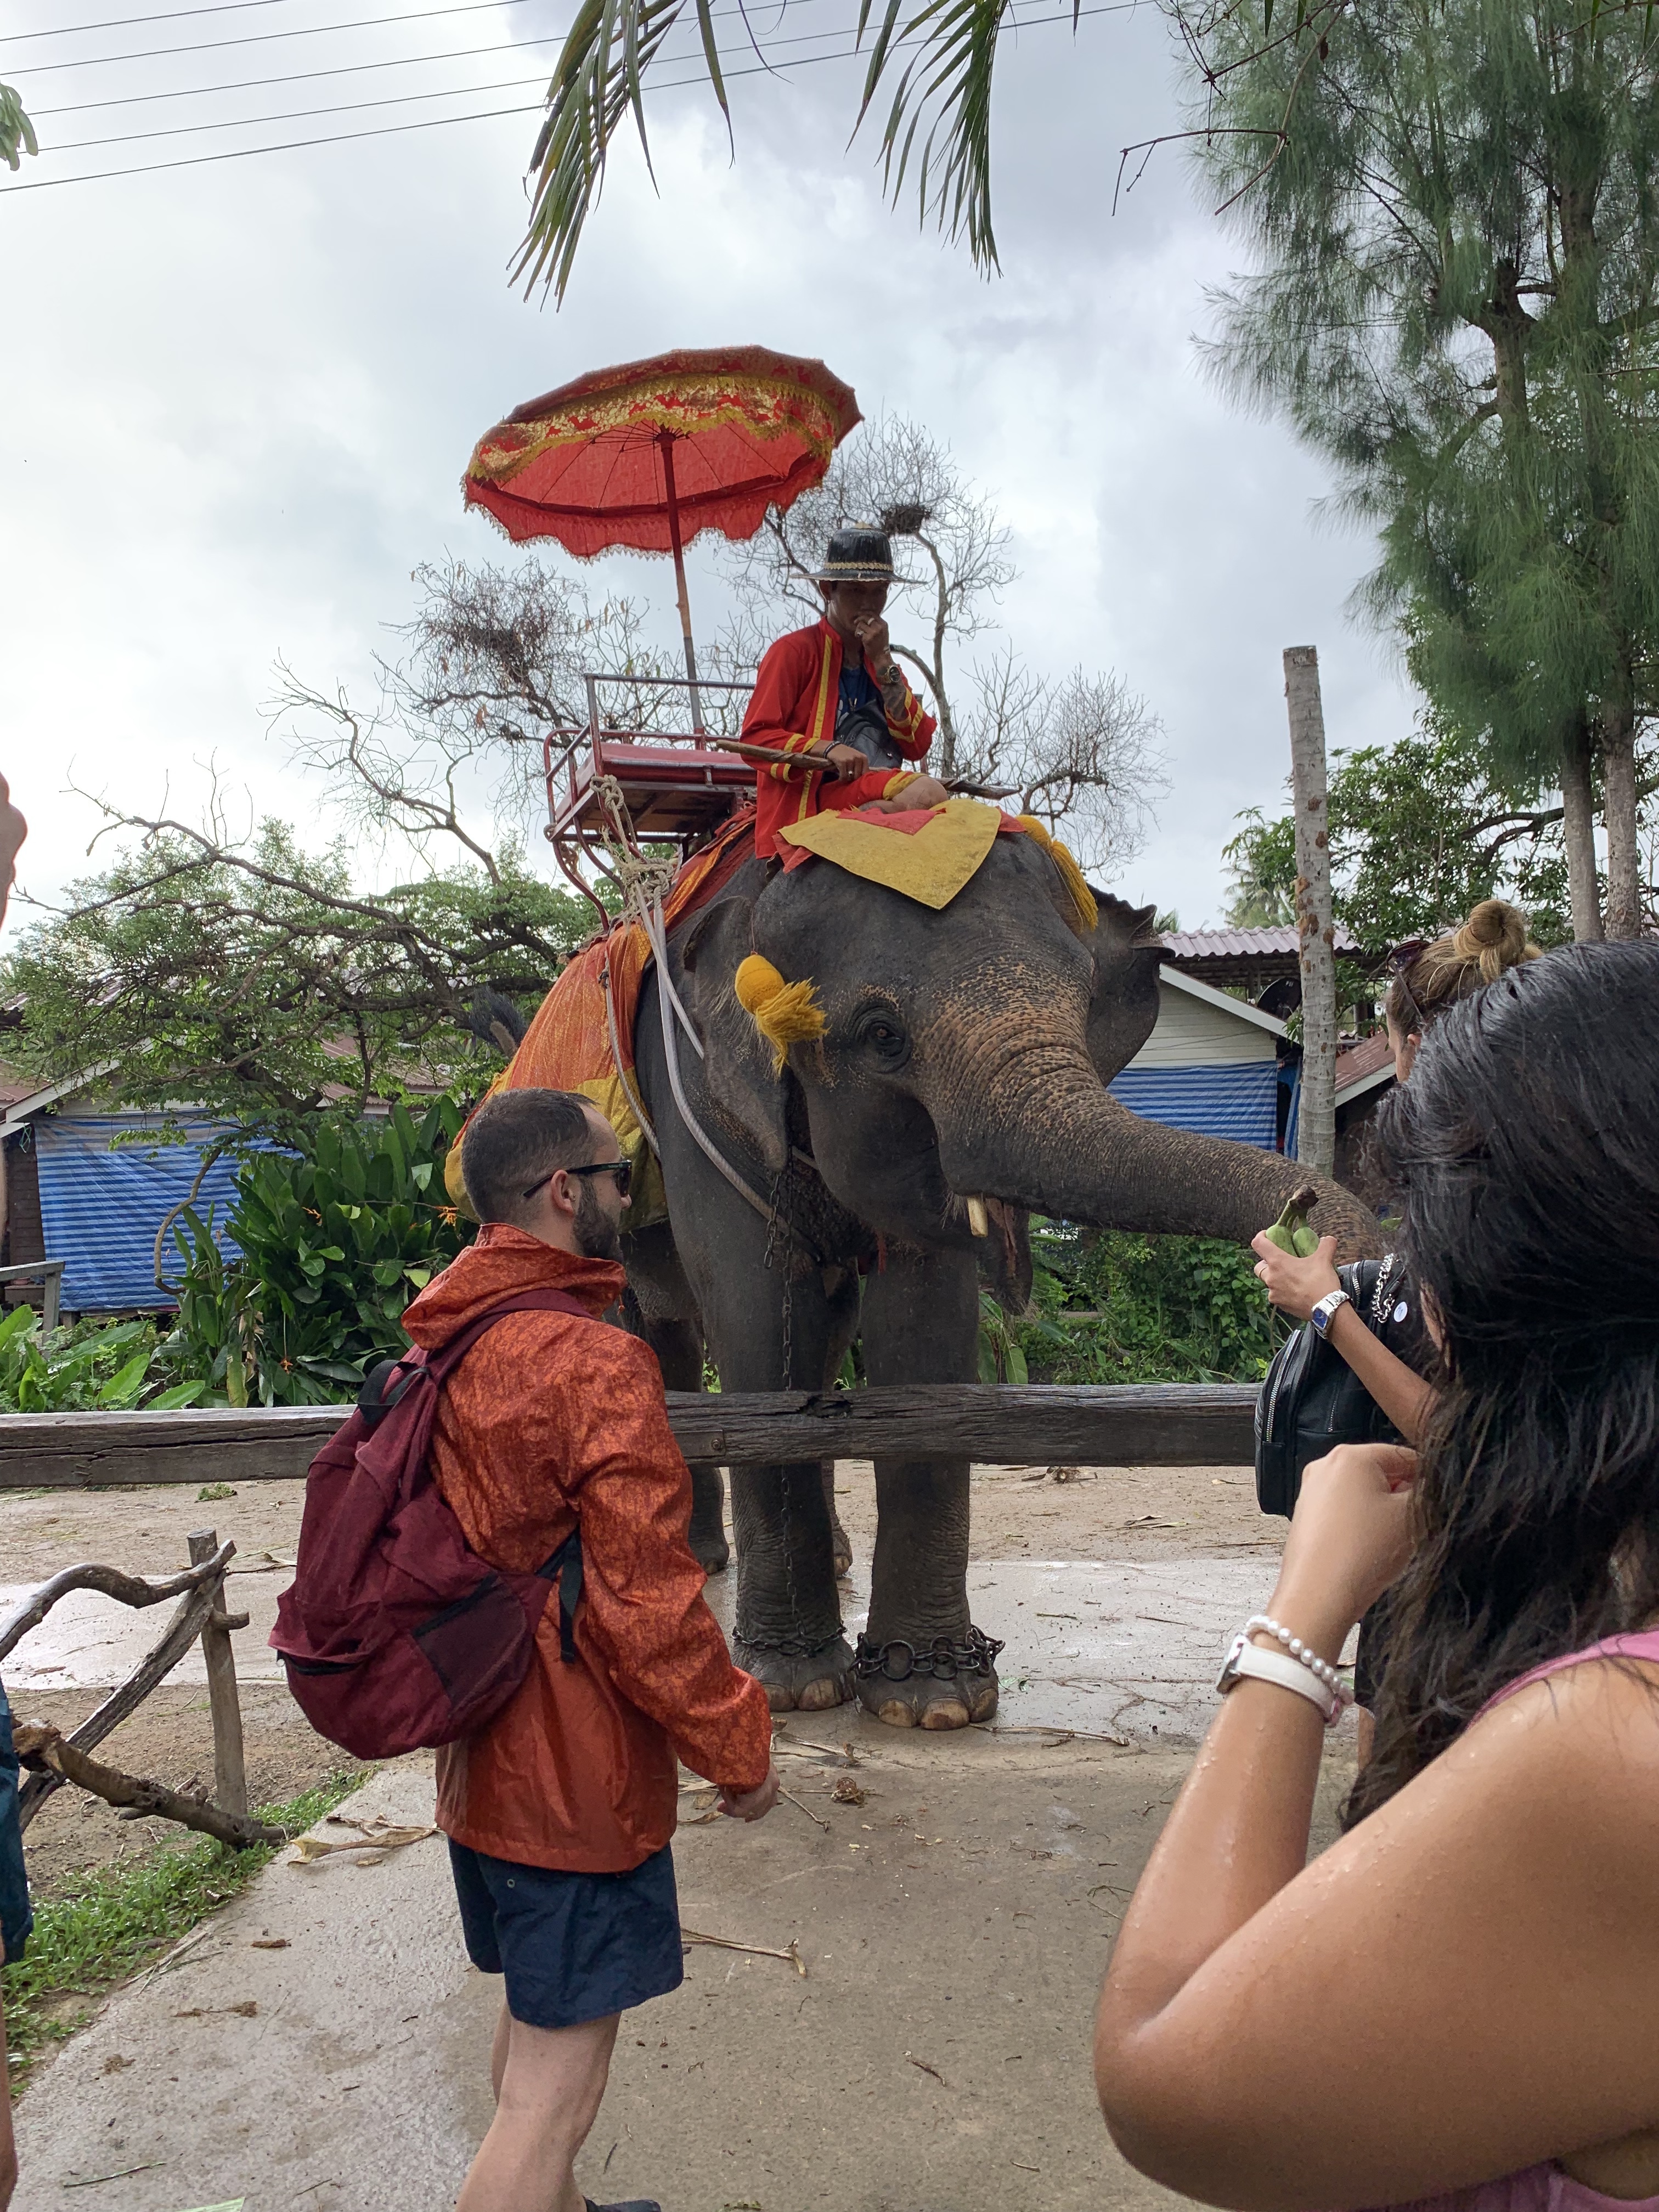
(834, 702)
(559, 1812)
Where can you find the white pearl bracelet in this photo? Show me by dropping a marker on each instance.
(1320, 1668)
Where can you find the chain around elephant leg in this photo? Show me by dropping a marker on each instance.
(944, 1684)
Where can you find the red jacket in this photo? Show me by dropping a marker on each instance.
(549, 1420)
(797, 693)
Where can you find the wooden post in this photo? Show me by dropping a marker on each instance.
(1315, 1143)
(229, 1774)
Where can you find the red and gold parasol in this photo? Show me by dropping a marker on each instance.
(650, 454)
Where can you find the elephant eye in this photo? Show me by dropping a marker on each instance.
(882, 1037)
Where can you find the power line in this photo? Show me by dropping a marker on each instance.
(125, 22)
(265, 38)
(343, 68)
(397, 100)
(298, 77)
(492, 114)
(296, 114)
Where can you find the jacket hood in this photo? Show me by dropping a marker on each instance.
(499, 1264)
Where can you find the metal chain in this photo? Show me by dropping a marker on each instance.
(897, 1660)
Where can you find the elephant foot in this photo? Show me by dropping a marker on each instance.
(710, 1549)
(798, 1684)
(940, 1685)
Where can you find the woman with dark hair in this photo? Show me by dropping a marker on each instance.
(1427, 981)
(1456, 2001)
(1389, 1348)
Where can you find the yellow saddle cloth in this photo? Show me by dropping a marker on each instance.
(929, 855)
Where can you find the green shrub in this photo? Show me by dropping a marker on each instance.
(94, 1365)
(1116, 1307)
(335, 1241)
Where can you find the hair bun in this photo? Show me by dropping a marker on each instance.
(1493, 938)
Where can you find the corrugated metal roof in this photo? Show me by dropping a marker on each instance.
(1364, 1060)
(100, 1209)
(1243, 944)
(1240, 1100)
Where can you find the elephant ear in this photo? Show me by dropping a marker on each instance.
(1123, 1009)
(736, 1066)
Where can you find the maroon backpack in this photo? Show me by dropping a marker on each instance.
(396, 1635)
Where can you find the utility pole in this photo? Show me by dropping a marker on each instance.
(1316, 1142)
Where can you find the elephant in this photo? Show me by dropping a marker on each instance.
(959, 1081)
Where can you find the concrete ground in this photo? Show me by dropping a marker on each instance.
(953, 1924)
(932, 2058)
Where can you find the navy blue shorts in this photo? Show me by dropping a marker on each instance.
(572, 1946)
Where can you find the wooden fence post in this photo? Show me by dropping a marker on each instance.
(1316, 1142)
(229, 1773)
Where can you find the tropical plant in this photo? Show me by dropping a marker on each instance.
(91, 1366)
(332, 1243)
(1456, 300)
(1115, 1307)
(15, 129)
(938, 128)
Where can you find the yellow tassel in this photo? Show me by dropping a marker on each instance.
(784, 1013)
(1070, 874)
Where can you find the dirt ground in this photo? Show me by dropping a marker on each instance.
(1019, 1512)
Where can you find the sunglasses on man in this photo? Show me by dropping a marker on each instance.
(622, 1169)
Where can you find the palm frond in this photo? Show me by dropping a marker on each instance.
(946, 88)
(599, 75)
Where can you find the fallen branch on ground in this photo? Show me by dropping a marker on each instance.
(792, 1955)
(47, 1748)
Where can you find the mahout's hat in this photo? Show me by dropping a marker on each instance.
(858, 555)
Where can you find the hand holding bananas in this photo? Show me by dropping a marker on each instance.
(1298, 1267)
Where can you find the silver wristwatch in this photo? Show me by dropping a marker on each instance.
(1325, 1311)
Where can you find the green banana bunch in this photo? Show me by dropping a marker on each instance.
(1291, 1231)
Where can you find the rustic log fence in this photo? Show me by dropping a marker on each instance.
(1122, 1425)
(55, 1758)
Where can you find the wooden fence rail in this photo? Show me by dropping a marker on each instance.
(1149, 1425)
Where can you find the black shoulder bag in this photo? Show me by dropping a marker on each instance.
(1312, 1400)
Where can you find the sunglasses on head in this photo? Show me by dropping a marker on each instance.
(1403, 957)
(622, 1169)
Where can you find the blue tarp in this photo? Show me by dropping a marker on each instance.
(1239, 1100)
(99, 1209)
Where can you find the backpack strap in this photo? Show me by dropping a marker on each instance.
(567, 1564)
(389, 1380)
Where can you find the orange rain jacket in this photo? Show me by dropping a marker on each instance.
(551, 1420)
(796, 698)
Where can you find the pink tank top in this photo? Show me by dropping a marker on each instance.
(1545, 2188)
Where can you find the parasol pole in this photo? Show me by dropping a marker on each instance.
(665, 439)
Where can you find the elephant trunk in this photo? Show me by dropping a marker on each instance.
(1064, 1146)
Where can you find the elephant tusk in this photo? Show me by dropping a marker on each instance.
(978, 1220)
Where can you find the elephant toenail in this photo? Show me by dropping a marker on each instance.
(897, 1714)
(947, 1713)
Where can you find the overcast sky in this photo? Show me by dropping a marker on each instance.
(236, 399)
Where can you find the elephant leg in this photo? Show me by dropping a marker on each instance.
(844, 1296)
(787, 1625)
(920, 1662)
(678, 1347)
(659, 1306)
